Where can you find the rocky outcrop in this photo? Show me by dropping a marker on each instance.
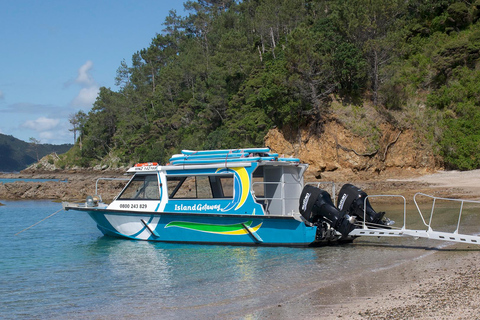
(50, 164)
(338, 149)
(71, 187)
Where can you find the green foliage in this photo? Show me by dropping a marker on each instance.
(247, 122)
(16, 155)
(461, 138)
(227, 72)
(459, 100)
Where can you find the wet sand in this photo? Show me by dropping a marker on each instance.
(443, 283)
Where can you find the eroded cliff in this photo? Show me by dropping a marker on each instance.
(335, 149)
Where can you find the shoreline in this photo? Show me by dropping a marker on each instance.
(444, 283)
(81, 183)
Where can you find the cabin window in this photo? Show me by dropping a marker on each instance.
(258, 183)
(200, 187)
(226, 184)
(142, 187)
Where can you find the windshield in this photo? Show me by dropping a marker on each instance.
(142, 187)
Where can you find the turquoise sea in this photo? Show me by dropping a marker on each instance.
(63, 268)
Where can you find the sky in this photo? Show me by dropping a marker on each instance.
(55, 55)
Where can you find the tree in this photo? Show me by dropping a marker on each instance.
(101, 124)
(374, 26)
(310, 71)
(77, 120)
(226, 73)
(35, 142)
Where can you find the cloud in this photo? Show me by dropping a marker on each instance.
(48, 136)
(2, 96)
(84, 77)
(86, 97)
(41, 124)
(48, 130)
(89, 87)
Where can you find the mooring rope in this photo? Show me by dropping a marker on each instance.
(33, 225)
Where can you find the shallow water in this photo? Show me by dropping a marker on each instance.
(65, 268)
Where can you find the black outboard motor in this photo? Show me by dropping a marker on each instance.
(351, 200)
(316, 206)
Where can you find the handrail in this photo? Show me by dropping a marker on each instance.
(109, 179)
(383, 196)
(282, 197)
(462, 201)
(272, 183)
(378, 231)
(318, 183)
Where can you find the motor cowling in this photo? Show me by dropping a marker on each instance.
(316, 206)
(351, 200)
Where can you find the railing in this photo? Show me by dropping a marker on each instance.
(380, 230)
(283, 198)
(108, 179)
(333, 193)
(429, 225)
(365, 225)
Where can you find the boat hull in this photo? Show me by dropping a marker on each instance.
(204, 228)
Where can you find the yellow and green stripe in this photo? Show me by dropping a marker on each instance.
(230, 229)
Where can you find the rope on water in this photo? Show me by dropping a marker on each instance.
(33, 225)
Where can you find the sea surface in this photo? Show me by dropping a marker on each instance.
(64, 268)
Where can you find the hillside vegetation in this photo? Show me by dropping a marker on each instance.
(227, 72)
(16, 155)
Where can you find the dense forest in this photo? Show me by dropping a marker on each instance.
(16, 155)
(225, 72)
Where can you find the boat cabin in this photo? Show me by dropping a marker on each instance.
(247, 182)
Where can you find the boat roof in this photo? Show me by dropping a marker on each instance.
(225, 158)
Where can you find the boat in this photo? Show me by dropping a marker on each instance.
(245, 196)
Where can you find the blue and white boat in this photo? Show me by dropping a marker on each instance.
(243, 197)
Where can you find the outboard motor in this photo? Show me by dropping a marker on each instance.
(316, 206)
(351, 200)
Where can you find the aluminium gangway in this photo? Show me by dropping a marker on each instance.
(366, 229)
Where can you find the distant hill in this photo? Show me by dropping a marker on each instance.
(16, 155)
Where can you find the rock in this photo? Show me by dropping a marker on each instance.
(338, 149)
(77, 187)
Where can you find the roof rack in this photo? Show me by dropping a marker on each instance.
(189, 157)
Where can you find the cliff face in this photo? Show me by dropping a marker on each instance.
(337, 150)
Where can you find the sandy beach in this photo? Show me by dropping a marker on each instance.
(444, 283)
